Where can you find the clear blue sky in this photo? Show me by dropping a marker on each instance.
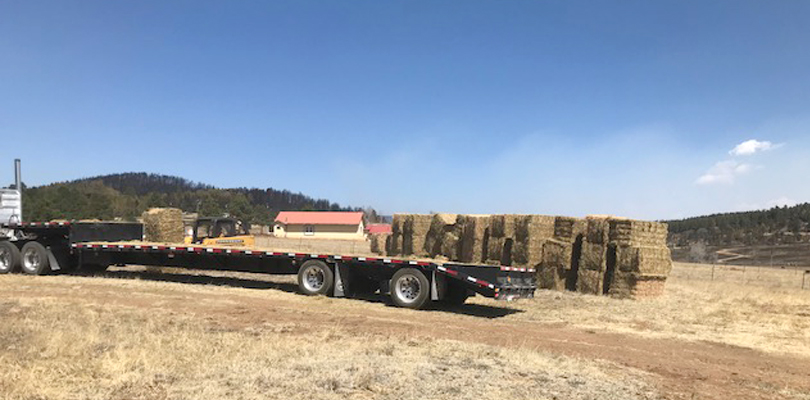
(552, 107)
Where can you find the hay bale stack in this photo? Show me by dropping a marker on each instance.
(500, 239)
(393, 244)
(555, 266)
(643, 261)
(441, 237)
(593, 259)
(379, 242)
(471, 230)
(531, 232)
(163, 225)
(414, 232)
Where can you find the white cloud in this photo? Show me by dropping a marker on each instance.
(724, 172)
(752, 146)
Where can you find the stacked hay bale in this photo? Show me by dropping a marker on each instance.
(443, 237)
(163, 225)
(556, 268)
(414, 232)
(500, 241)
(593, 259)
(643, 260)
(393, 243)
(379, 242)
(531, 233)
(471, 231)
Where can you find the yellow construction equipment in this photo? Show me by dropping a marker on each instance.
(221, 231)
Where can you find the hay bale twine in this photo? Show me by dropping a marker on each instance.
(163, 225)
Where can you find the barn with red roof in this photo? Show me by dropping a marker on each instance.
(320, 224)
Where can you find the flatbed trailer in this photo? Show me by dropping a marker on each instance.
(53, 247)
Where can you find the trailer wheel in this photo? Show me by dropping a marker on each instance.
(410, 288)
(315, 278)
(35, 259)
(9, 257)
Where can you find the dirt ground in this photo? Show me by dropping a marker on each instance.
(707, 361)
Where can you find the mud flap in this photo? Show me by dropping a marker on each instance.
(53, 262)
(438, 286)
(341, 280)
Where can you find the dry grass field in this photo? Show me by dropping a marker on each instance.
(190, 335)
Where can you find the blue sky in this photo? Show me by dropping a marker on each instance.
(554, 107)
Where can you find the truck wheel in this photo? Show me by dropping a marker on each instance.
(410, 288)
(9, 257)
(315, 277)
(35, 259)
(456, 294)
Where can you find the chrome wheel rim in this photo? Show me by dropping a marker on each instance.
(31, 260)
(408, 288)
(313, 279)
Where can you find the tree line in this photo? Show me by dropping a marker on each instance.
(126, 196)
(778, 225)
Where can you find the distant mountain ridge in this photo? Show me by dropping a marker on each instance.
(778, 225)
(127, 195)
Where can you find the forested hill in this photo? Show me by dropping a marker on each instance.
(127, 195)
(779, 225)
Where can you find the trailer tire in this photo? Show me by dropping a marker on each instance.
(410, 288)
(9, 257)
(35, 259)
(315, 278)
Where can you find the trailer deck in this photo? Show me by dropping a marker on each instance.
(61, 246)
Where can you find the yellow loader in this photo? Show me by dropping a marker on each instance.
(221, 232)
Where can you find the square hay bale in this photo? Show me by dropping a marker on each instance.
(629, 285)
(554, 269)
(590, 281)
(450, 246)
(440, 226)
(564, 228)
(414, 231)
(530, 232)
(645, 260)
(502, 225)
(593, 257)
(163, 225)
(597, 229)
(379, 242)
(627, 232)
(471, 230)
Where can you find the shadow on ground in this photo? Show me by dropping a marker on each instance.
(474, 310)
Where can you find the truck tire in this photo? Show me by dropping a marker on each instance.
(9, 257)
(315, 278)
(35, 259)
(410, 288)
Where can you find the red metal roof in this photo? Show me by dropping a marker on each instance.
(378, 228)
(320, 217)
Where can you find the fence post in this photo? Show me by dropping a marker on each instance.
(804, 275)
(713, 265)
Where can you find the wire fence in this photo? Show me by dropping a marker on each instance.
(777, 276)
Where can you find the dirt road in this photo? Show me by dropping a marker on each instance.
(681, 369)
